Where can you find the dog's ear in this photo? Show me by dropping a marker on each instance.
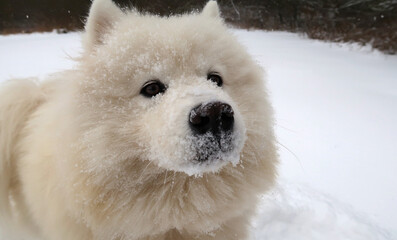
(103, 14)
(211, 9)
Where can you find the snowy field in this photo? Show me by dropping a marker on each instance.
(336, 111)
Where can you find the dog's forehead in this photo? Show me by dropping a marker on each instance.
(173, 35)
(154, 43)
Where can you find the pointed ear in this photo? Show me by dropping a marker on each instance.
(103, 14)
(211, 9)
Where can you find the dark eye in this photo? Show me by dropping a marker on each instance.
(152, 88)
(214, 77)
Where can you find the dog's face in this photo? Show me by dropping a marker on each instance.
(162, 101)
(170, 84)
(178, 85)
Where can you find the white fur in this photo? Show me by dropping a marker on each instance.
(103, 15)
(211, 10)
(85, 156)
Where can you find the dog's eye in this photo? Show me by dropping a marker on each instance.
(214, 77)
(152, 88)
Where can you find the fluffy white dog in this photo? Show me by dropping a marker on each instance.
(163, 131)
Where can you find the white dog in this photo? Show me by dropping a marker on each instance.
(163, 131)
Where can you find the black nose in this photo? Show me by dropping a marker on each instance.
(212, 117)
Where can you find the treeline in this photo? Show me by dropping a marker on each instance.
(363, 21)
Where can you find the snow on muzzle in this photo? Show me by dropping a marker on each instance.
(201, 129)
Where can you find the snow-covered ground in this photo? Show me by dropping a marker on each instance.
(336, 107)
(336, 111)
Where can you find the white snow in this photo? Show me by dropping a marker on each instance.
(336, 111)
(336, 107)
(37, 55)
(297, 212)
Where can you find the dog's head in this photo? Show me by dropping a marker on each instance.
(164, 100)
(170, 84)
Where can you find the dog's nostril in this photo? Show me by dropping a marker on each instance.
(227, 122)
(198, 120)
(211, 117)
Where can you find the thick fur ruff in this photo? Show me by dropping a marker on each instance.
(83, 155)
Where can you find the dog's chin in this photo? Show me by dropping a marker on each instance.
(210, 154)
(198, 163)
(198, 154)
(196, 166)
(212, 164)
